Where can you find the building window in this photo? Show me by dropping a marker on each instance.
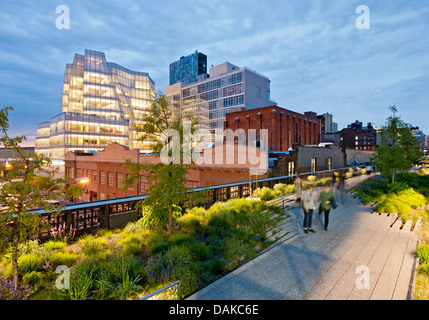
(102, 178)
(313, 164)
(329, 163)
(110, 179)
(119, 177)
(69, 173)
(258, 92)
(143, 184)
(94, 175)
(131, 187)
(290, 168)
(296, 132)
(191, 184)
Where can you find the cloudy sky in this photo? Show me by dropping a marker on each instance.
(316, 57)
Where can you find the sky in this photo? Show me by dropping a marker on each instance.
(314, 54)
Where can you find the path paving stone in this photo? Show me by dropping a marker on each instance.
(324, 265)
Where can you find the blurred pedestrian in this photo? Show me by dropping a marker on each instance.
(298, 188)
(308, 206)
(326, 199)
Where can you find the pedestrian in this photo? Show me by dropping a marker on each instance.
(308, 206)
(326, 199)
(298, 188)
(341, 181)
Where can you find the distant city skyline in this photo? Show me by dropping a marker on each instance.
(312, 51)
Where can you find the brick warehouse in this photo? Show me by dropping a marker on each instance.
(285, 127)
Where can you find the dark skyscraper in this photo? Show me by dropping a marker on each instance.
(187, 69)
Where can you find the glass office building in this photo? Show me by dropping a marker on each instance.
(100, 102)
(227, 89)
(187, 69)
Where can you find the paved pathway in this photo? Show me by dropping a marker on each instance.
(360, 257)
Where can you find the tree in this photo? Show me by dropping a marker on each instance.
(168, 140)
(398, 149)
(29, 183)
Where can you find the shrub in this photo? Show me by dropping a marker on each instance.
(259, 222)
(131, 244)
(181, 239)
(200, 251)
(30, 262)
(54, 245)
(62, 258)
(281, 188)
(191, 219)
(156, 243)
(30, 246)
(94, 247)
(219, 222)
(216, 244)
(8, 292)
(423, 252)
(156, 217)
(33, 278)
(188, 284)
(264, 193)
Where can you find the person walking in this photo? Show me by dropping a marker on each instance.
(308, 207)
(326, 199)
(341, 181)
(298, 188)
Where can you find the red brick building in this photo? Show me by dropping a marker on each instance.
(106, 170)
(285, 127)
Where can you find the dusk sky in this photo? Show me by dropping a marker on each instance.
(316, 57)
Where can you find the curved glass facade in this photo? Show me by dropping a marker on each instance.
(100, 101)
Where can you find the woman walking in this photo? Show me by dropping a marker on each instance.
(308, 206)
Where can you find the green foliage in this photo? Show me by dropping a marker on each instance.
(30, 262)
(398, 150)
(29, 183)
(33, 278)
(181, 239)
(54, 245)
(264, 193)
(131, 244)
(82, 280)
(259, 222)
(156, 216)
(200, 251)
(94, 247)
(423, 252)
(62, 258)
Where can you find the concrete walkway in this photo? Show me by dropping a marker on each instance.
(360, 257)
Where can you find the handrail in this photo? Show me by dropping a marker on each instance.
(160, 290)
(82, 205)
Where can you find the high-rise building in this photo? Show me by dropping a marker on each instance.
(187, 69)
(357, 136)
(327, 125)
(420, 137)
(227, 89)
(100, 101)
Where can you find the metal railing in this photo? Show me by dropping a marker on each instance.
(176, 283)
(89, 217)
